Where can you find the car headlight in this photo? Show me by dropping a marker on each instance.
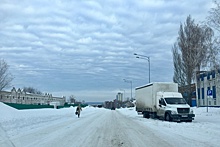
(173, 112)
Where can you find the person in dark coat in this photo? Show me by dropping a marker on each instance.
(78, 110)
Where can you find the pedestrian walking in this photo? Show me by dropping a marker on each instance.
(78, 110)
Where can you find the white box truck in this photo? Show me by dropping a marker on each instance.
(162, 100)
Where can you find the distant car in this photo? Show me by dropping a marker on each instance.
(99, 106)
(113, 108)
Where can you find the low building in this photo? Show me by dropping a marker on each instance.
(110, 104)
(21, 97)
(208, 81)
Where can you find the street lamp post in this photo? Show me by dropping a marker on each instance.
(145, 58)
(129, 81)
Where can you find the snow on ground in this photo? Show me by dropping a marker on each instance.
(205, 129)
(13, 121)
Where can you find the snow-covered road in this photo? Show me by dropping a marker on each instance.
(99, 127)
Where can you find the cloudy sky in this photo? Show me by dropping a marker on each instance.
(86, 48)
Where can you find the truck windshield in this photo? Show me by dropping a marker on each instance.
(175, 100)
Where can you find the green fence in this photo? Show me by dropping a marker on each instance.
(29, 106)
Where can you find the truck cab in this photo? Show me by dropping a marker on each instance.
(171, 106)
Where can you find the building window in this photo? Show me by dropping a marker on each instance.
(213, 74)
(214, 102)
(208, 76)
(214, 91)
(198, 93)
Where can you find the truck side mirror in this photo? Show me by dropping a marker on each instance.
(160, 102)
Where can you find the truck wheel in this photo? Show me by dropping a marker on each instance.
(167, 117)
(153, 116)
(146, 115)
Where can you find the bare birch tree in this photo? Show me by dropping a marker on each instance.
(214, 16)
(5, 76)
(190, 51)
(214, 22)
(179, 74)
(193, 48)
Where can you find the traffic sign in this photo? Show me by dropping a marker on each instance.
(209, 92)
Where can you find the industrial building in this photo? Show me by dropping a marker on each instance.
(20, 97)
(208, 88)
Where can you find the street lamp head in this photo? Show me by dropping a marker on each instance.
(127, 81)
(145, 58)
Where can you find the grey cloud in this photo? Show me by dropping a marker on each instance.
(77, 46)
